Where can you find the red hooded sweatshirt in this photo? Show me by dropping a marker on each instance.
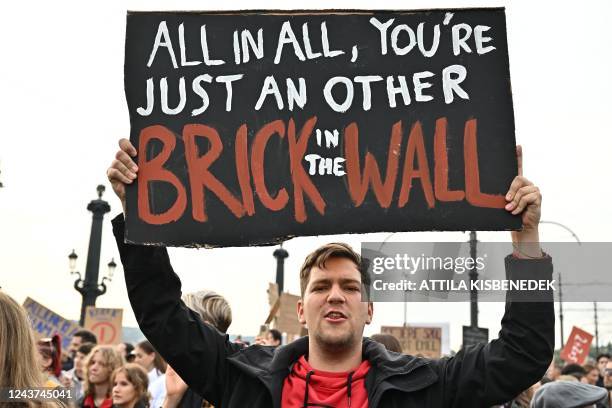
(307, 387)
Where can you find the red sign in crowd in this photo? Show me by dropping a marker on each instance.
(576, 349)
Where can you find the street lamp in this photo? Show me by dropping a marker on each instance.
(111, 269)
(89, 288)
(79, 283)
(72, 260)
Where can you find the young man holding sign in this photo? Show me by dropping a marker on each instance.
(335, 366)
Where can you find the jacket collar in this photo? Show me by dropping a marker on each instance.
(271, 366)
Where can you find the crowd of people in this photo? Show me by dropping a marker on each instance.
(136, 376)
(103, 376)
(99, 376)
(571, 385)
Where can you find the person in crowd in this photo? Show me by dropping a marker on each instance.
(575, 370)
(130, 384)
(125, 349)
(389, 341)
(19, 357)
(99, 366)
(554, 371)
(50, 352)
(150, 360)
(273, 338)
(607, 381)
(79, 337)
(591, 375)
(153, 363)
(157, 389)
(523, 400)
(568, 394)
(213, 309)
(332, 365)
(67, 360)
(602, 361)
(74, 377)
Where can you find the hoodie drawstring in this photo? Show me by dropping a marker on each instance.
(349, 384)
(306, 392)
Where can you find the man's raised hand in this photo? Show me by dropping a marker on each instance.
(123, 170)
(525, 198)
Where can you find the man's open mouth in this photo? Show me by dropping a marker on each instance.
(335, 316)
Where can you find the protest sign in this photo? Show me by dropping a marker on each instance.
(106, 324)
(577, 347)
(423, 341)
(47, 323)
(287, 320)
(253, 127)
(283, 311)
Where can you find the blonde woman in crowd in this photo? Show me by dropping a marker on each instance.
(130, 383)
(19, 359)
(100, 364)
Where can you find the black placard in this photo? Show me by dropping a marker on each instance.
(256, 126)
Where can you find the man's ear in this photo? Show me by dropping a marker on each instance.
(370, 312)
(300, 312)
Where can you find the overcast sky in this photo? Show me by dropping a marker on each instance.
(63, 109)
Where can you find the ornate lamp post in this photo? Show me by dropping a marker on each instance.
(89, 288)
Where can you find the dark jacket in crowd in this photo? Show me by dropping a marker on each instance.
(228, 375)
(139, 404)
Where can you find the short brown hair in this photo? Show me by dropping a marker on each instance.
(329, 251)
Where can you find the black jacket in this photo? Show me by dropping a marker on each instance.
(229, 376)
(139, 404)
